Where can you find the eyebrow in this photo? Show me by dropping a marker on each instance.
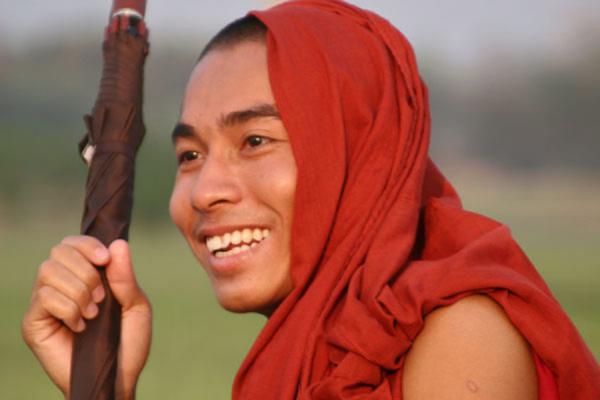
(263, 110)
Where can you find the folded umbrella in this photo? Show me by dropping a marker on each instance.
(115, 130)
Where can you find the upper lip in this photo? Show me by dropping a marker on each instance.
(218, 230)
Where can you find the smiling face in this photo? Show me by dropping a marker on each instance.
(236, 179)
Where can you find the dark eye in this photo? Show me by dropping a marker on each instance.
(188, 156)
(255, 141)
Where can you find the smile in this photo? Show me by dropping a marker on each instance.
(235, 242)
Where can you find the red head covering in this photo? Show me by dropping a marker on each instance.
(379, 238)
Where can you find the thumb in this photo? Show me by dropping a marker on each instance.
(121, 277)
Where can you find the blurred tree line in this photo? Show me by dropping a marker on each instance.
(519, 111)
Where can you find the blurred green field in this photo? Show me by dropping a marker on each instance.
(197, 347)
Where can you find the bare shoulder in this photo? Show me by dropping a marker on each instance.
(469, 348)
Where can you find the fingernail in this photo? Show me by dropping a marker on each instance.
(98, 294)
(101, 253)
(91, 309)
(80, 325)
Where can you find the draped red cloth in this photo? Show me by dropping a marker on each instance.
(379, 238)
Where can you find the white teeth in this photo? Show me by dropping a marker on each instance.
(226, 239)
(217, 242)
(209, 243)
(214, 243)
(236, 237)
(235, 250)
(247, 235)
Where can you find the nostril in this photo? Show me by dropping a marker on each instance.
(208, 197)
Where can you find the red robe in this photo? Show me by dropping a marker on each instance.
(379, 238)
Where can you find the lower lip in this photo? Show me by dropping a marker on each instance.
(233, 262)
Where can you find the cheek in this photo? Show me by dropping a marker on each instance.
(273, 180)
(286, 187)
(277, 191)
(177, 205)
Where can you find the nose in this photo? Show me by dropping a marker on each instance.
(216, 186)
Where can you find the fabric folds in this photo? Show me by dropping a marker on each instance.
(379, 238)
(115, 132)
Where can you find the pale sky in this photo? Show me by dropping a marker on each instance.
(459, 29)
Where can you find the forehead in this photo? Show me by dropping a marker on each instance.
(225, 80)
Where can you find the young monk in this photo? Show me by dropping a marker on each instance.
(305, 190)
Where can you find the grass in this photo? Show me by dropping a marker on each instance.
(197, 347)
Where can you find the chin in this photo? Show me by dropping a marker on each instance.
(246, 304)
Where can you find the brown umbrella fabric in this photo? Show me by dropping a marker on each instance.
(115, 130)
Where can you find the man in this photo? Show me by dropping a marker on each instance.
(305, 191)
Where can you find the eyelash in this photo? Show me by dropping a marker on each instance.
(263, 140)
(189, 156)
(182, 158)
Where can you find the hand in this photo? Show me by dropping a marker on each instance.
(66, 291)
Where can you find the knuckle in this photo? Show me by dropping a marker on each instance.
(65, 310)
(57, 251)
(92, 241)
(72, 313)
(47, 272)
(79, 240)
(44, 270)
(25, 330)
(86, 273)
(81, 295)
(83, 244)
(43, 295)
(70, 240)
(90, 276)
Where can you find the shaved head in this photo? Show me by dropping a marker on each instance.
(248, 28)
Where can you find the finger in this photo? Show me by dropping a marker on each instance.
(81, 267)
(90, 247)
(49, 302)
(121, 276)
(60, 278)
